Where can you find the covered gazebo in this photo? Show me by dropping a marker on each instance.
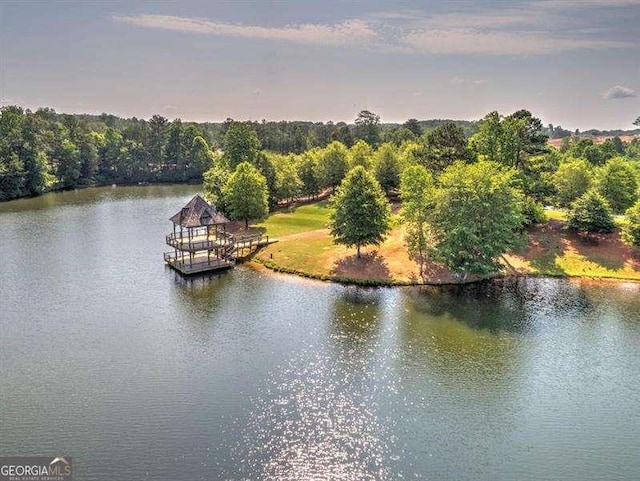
(200, 240)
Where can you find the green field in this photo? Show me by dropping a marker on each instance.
(302, 219)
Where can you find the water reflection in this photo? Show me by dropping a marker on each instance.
(355, 318)
(200, 300)
(315, 423)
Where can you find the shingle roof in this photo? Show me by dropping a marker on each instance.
(198, 212)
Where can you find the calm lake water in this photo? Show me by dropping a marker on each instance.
(111, 358)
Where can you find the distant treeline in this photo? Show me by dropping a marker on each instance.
(44, 150)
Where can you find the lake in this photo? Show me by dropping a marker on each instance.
(109, 357)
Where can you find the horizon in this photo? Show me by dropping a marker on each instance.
(571, 63)
(348, 122)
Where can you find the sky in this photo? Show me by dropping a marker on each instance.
(574, 63)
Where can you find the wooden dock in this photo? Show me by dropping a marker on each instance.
(196, 255)
(201, 243)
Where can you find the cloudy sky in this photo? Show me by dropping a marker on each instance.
(571, 62)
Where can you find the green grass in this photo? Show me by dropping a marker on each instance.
(561, 214)
(303, 219)
(556, 214)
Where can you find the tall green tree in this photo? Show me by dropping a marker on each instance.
(307, 166)
(413, 126)
(617, 183)
(360, 213)
(241, 144)
(246, 195)
(446, 144)
(360, 153)
(157, 138)
(69, 164)
(333, 164)
(476, 217)
(289, 184)
(591, 214)
(510, 140)
(416, 192)
(367, 127)
(215, 179)
(200, 158)
(572, 179)
(387, 167)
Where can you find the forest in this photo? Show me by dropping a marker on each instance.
(44, 151)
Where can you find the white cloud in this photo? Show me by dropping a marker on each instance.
(469, 42)
(619, 92)
(349, 32)
(534, 29)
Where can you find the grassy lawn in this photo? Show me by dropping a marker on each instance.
(302, 219)
(306, 247)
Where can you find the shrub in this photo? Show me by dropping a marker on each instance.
(631, 230)
(591, 214)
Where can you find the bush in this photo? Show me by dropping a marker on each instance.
(532, 212)
(631, 230)
(591, 213)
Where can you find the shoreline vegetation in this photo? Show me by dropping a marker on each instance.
(384, 205)
(305, 248)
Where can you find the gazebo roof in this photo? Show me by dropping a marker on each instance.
(197, 213)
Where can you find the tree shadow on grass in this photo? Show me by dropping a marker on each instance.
(369, 266)
(546, 244)
(606, 250)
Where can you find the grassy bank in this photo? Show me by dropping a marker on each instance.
(306, 248)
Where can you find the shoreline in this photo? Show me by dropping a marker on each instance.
(271, 267)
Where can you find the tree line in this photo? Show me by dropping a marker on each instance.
(43, 151)
(465, 201)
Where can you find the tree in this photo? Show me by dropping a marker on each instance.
(368, 127)
(157, 138)
(416, 188)
(241, 144)
(524, 137)
(69, 164)
(246, 194)
(591, 214)
(631, 230)
(510, 141)
(360, 154)
(637, 122)
(571, 180)
(488, 140)
(617, 183)
(446, 144)
(214, 180)
(200, 158)
(414, 126)
(475, 217)
(387, 167)
(308, 173)
(333, 164)
(174, 151)
(289, 184)
(360, 213)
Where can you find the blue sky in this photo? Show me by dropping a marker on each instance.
(571, 62)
